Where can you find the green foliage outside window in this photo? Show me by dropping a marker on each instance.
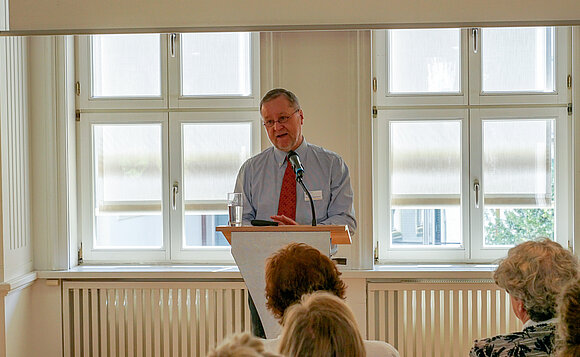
(513, 226)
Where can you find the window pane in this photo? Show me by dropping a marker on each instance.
(518, 180)
(426, 226)
(128, 183)
(200, 230)
(212, 156)
(426, 182)
(424, 61)
(216, 64)
(126, 66)
(518, 59)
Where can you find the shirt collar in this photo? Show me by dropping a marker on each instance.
(530, 322)
(280, 155)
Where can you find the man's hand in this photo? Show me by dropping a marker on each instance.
(283, 220)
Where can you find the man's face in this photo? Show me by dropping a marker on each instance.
(287, 136)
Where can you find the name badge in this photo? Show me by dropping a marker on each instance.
(316, 195)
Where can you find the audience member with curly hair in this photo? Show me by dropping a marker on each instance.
(299, 269)
(533, 274)
(569, 324)
(241, 345)
(321, 325)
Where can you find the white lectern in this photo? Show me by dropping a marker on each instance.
(251, 246)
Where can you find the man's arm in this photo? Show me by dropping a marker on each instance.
(341, 205)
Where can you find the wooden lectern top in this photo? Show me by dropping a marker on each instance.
(338, 234)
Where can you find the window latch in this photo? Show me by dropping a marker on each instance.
(476, 189)
(172, 44)
(174, 192)
(475, 32)
(80, 254)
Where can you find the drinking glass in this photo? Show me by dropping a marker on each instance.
(235, 208)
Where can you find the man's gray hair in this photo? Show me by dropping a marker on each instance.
(276, 92)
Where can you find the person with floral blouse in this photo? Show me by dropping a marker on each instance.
(533, 274)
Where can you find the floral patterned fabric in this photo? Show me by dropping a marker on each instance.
(536, 341)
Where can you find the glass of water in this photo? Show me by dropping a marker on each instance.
(235, 208)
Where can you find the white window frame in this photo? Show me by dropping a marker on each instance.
(86, 168)
(171, 110)
(382, 206)
(476, 106)
(84, 69)
(208, 254)
(386, 99)
(563, 48)
(176, 100)
(562, 128)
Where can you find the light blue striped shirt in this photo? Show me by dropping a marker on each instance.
(325, 176)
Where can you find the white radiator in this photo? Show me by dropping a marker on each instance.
(151, 319)
(437, 318)
(171, 319)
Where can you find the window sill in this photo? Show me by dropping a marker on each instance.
(154, 272)
(220, 272)
(429, 271)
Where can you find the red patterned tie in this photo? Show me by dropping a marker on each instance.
(287, 202)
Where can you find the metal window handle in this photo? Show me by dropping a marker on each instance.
(475, 32)
(476, 189)
(172, 44)
(174, 192)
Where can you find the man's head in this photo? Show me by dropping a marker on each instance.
(299, 269)
(282, 118)
(534, 273)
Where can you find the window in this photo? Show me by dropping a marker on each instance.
(126, 66)
(471, 141)
(165, 123)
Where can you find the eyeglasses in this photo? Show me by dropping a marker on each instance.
(281, 120)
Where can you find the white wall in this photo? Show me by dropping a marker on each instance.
(52, 149)
(33, 321)
(330, 73)
(16, 257)
(3, 15)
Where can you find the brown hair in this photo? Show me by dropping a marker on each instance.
(569, 326)
(535, 273)
(241, 345)
(299, 269)
(276, 92)
(321, 325)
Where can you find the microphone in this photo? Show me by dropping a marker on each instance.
(294, 160)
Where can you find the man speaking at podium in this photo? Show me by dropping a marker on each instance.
(268, 181)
